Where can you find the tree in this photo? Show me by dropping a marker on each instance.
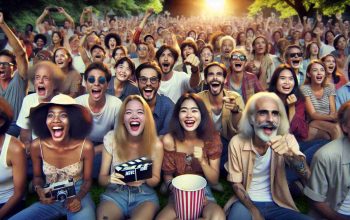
(300, 7)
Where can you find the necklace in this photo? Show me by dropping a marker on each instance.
(188, 159)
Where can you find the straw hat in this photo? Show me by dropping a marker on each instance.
(79, 128)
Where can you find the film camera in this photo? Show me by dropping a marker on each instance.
(60, 190)
(134, 170)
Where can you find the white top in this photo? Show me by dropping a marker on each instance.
(105, 120)
(260, 187)
(6, 175)
(217, 121)
(29, 102)
(78, 63)
(345, 206)
(176, 86)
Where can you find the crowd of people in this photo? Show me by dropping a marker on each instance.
(261, 102)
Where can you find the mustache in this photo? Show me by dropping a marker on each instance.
(270, 125)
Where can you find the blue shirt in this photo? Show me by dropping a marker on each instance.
(343, 95)
(163, 111)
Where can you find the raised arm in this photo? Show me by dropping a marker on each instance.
(18, 49)
(136, 37)
(40, 19)
(68, 17)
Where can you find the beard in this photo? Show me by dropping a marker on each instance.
(259, 130)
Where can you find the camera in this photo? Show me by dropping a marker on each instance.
(61, 190)
(134, 170)
(53, 9)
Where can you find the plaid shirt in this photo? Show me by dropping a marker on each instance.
(250, 85)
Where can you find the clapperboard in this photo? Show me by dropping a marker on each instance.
(134, 170)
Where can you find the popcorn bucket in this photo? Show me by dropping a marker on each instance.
(189, 191)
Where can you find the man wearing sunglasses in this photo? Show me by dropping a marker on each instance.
(294, 57)
(223, 106)
(244, 83)
(13, 74)
(103, 107)
(148, 76)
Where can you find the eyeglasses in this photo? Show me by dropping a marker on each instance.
(6, 64)
(291, 55)
(142, 48)
(144, 80)
(239, 57)
(101, 80)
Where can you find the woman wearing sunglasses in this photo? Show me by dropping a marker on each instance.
(239, 80)
(320, 103)
(103, 107)
(121, 85)
(192, 147)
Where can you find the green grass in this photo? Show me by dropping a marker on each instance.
(221, 197)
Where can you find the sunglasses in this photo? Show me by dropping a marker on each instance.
(239, 57)
(6, 64)
(144, 80)
(291, 55)
(101, 80)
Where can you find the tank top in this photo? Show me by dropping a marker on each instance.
(6, 176)
(54, 174)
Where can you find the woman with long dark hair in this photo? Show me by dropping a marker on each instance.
(193, 147)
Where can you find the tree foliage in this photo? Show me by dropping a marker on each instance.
(19, 13)
(300, 7)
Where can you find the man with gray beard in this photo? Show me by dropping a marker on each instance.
(256, 162)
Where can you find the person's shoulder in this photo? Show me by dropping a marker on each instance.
(168, 142)
(16, 145)
(165, 100)
(203, 93)
(88, 145)
(331, 151)
(158, 145)
(30, 98)
(232, 93)
(82, 98)
(113, 99)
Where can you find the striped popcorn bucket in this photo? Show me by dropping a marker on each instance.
(189, 191)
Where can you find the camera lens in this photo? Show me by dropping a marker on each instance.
(62, 195)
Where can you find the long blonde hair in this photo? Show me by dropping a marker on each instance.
(149, 134)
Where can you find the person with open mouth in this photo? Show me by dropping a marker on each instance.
(333, 75)
(148, 78)
(244, 83)
(257, 159)
(61, 153)
(134, 137)
(187, 48)
(103, 107)
(260, 63)
(72, 83)
(192, 147)
(320, 103)
(224, 106)
(294, 57)
(227, 44)
(175, 83)
(121, 85)
(47, 79)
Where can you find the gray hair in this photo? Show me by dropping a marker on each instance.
(245, 126)
(227, 37)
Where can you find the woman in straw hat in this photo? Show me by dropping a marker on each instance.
(135, 137)
(192, 147)
(61, 153)
(12, 166)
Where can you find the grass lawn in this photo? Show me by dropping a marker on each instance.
(221, 197)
